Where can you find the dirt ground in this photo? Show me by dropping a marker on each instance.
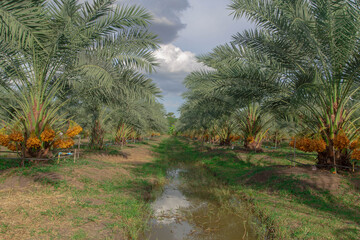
(307, 177)
(129, 156)
(31, 208)
(315, 179)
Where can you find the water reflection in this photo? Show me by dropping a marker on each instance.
(179, 217)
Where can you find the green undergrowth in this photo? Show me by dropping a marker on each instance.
(291, 206)
(98, 199)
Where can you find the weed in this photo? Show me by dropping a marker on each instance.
(285, 203)
(80, 234)
(93, 218)
(4, 227)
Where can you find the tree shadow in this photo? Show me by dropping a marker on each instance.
(355, 180)
(346, 233)
(310, 194)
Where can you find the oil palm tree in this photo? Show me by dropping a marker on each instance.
(138, 119)
(128, 90)
(228, 88)
(253, 124)
(46, 47)
(315, 47)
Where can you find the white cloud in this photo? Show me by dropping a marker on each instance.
(163, 21)
(174, 60)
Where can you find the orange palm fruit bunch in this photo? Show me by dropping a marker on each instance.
(12, 147)
(292, 142)
(234, 138)
(4, 140)
(355, 144)
(64, 143)
(16, 136)
(206, 137)
(303, 144)
(309, 145)
(318, 145)
(68, 143)
(47, 135)
(341, 141)
(355, 154)
(33, 142)
(74, 129)
(250, 139)
(58, 143)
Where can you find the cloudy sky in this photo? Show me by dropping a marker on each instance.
(187, 28)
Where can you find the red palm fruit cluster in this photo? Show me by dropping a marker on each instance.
(341, 141)
(33, 142)
(16, 136)
(47, 135)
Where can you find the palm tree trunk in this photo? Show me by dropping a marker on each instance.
(326, 158)
(97, 132)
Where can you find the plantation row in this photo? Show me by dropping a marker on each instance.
(295, 76)
(70, 68)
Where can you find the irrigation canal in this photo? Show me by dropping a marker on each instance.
(191, 207)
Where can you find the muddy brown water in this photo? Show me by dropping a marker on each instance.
(179, 215)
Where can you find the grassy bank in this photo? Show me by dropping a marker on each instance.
(107, 195)
(101, 196)
(291, 202)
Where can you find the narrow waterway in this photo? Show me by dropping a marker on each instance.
(189, 209)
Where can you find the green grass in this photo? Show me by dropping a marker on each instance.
(10, 163)
(80, 234)
(118, 204)
(284, 203)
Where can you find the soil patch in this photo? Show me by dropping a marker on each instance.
(318, 179)
(30, 208)
(48, 176)
(135, 156)
(18, 183)
(99, 174)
